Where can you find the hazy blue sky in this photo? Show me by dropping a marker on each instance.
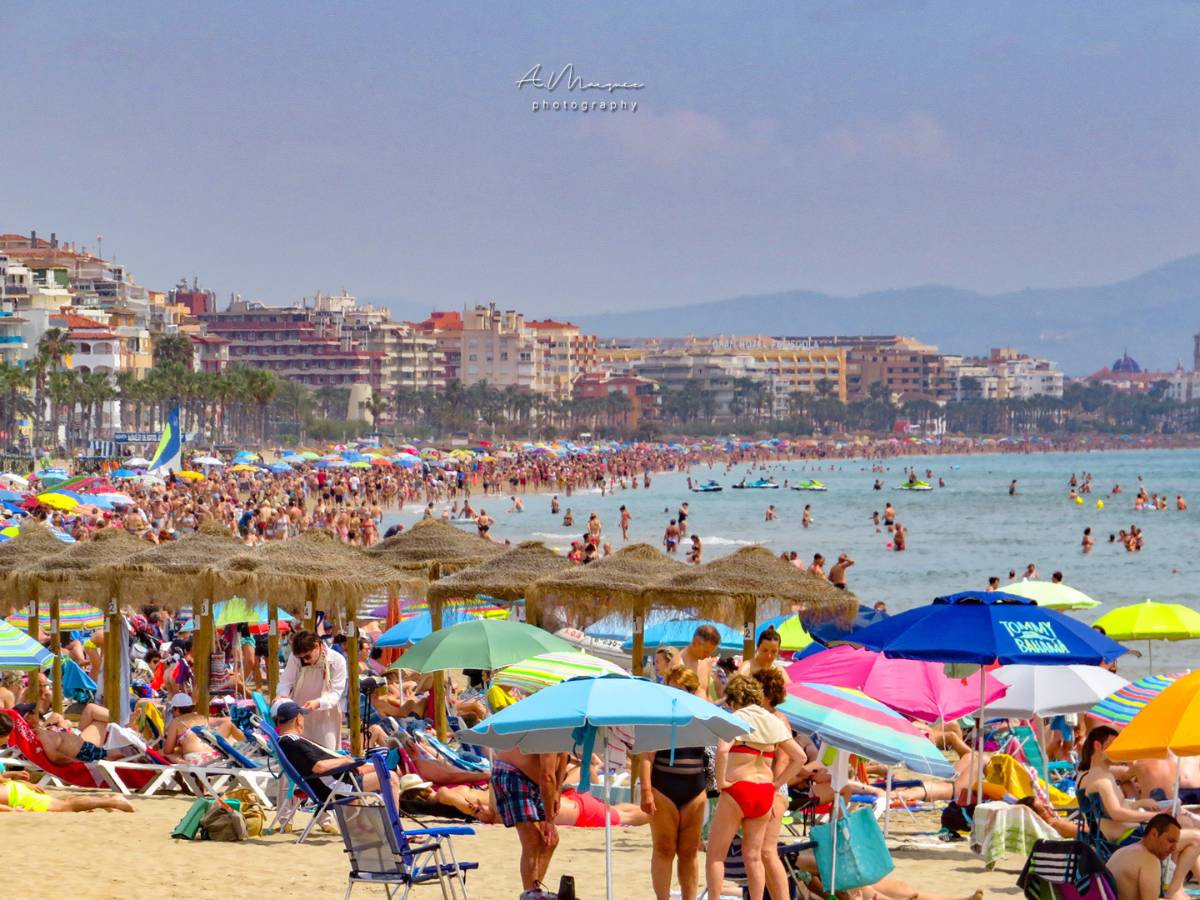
(278, 149)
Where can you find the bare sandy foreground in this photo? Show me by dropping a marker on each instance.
(118, 855)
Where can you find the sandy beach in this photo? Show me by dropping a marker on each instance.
(140, 861)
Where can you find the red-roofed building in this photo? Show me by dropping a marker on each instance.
(642, 394)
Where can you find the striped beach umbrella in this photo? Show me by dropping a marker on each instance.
(72, 616)
(539, 672)
(1119, 707)
(19, 651)
(850, 720)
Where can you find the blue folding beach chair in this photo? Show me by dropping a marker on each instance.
(382, 852)
(300, 786)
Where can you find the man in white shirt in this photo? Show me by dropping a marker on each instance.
(315, 678)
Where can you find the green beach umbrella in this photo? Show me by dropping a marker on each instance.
(1151, 621)
(480, 644)
(1052, 595)
(19, 651)
(239, 611)
(539, 672)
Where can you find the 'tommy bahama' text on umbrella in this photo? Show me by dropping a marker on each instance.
(1035, 638)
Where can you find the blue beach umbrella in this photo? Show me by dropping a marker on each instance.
(619, 627)
(571, 715)
(829, 632)
(987, 627)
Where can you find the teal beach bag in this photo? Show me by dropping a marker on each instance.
(862, 854)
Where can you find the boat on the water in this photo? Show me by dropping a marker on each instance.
(810, 486)
(709, 487)
(915, 486)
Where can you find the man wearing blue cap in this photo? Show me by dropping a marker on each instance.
(314, 762)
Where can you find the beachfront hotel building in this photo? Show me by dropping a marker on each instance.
(643, 394)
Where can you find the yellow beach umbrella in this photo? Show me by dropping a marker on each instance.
(1170, 723)
(1151, 621)
(57, 501)
(190, 475)
(241, 467)
(1052, 595)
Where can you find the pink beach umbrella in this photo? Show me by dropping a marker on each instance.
(916, 688)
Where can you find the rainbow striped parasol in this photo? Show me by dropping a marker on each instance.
(72, 616)
(850, 720)
(542, 671)
(1120, 707)
(19, 651)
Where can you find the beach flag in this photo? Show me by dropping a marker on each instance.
(170, 448)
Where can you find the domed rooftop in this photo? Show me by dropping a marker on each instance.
(1126, 364)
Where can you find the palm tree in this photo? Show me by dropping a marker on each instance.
(53, 348)
(294, 399)
(332, 400)
(375, 406)
(173, 348)
(617, 406)
(14, 400)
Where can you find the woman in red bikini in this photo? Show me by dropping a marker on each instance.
(749, 775)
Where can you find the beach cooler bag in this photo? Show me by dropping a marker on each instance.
(189, 825)
(223, 822)
(862, 854)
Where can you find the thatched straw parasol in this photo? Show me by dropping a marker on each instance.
(86, 569)
(434, 547)
(32, 542)
(505, 577)
(616, 583)
(750, 577)
(314, 570)
(179, 573)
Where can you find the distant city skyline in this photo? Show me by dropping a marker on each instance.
(275, 150)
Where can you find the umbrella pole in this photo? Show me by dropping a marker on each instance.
(439, 681)
(749, 624)
(33, 625)
(887, 810)
(56, 650)
(639, 643)
(112, 661)
(1150, 656)
(979, 750)
(1040, 731)
(202, 643)
(354, 700)
(272, 650)
(608, 821)
(1175, 806)
(831, 888)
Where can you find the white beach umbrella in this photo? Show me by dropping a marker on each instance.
(1052, 690)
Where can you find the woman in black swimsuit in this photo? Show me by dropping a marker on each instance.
(673, 795)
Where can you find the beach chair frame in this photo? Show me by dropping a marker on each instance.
(381, 851)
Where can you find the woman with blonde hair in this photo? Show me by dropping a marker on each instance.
(750, 771)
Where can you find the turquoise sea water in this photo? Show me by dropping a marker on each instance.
(957, 535)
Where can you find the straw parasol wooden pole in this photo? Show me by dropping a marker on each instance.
(616, 583)
(434, 549)
(750, 577)
(272, 648)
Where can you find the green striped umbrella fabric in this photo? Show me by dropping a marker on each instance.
(19, 651)
(547, 669)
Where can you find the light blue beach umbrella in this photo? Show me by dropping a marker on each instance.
(19, 651)
(571, 715)
(619, 626)
(678, 633)
(420, 626)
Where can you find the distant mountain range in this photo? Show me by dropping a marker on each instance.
(1152, 315)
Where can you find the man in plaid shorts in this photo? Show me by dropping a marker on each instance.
(526, 786)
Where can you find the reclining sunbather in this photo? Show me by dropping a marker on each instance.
(62, 743)
(18, 796)
(181, 744)
(574, 809)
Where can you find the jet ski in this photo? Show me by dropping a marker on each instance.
(915, 486)
(757, 484)
(709, 487)
(810, 486)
